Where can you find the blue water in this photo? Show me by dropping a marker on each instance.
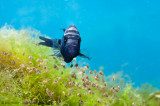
(116, 33)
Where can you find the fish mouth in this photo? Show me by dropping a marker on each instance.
(67, 60)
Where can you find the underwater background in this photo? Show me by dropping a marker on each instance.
(119, 36)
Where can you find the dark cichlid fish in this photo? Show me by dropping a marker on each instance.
(69, 45)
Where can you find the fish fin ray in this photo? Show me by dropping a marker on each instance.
(54, 43)
(57, 54)
(45, 39)
(82, 55)
(48, 42)
(63, 29)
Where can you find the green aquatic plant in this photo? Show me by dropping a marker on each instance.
(28, 75)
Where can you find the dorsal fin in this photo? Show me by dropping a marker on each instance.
(64, 29)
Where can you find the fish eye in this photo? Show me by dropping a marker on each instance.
(65, 39)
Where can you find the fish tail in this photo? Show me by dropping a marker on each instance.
(48, 42)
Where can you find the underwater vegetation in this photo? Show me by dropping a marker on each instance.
(28, 75)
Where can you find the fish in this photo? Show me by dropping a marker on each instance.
(68, 46)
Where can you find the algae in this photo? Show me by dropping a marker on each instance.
(28, 75)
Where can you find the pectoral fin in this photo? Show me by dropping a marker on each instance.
(56, 43)
(82, 55)
(56, 54)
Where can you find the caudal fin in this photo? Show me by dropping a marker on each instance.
(48, 42)
(54, 43)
